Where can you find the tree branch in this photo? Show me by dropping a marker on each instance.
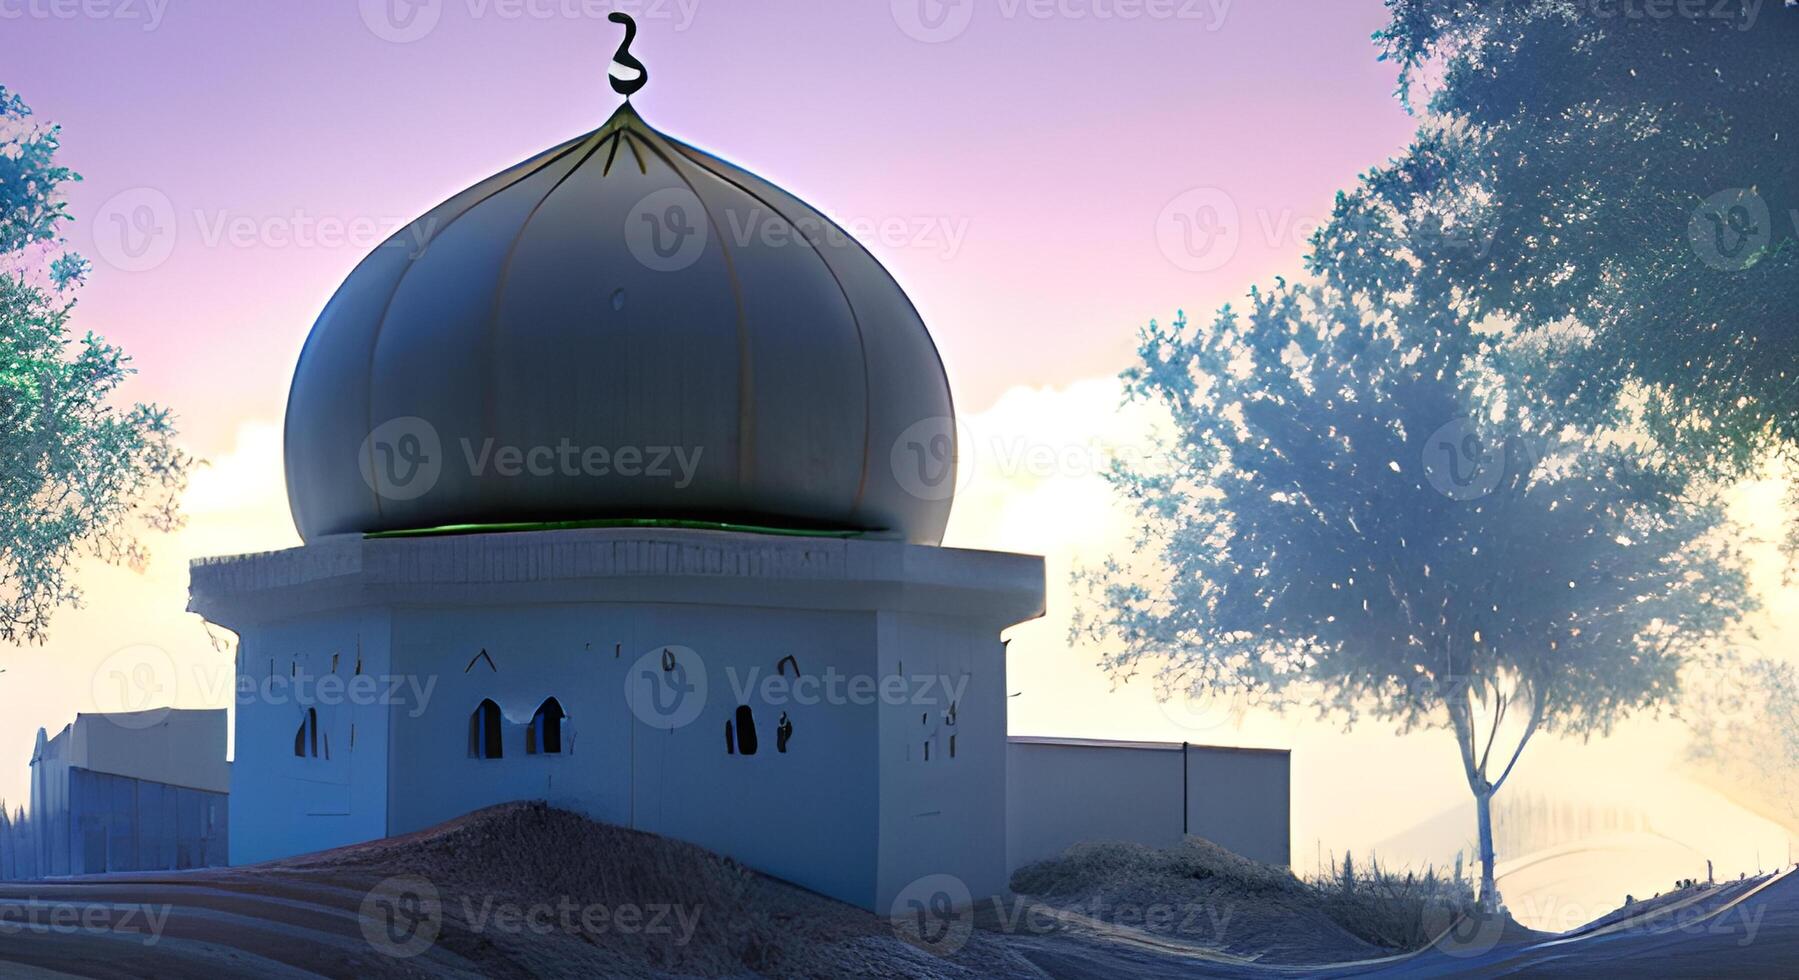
(1539, 699)
(1499, 704)
(1460, 719)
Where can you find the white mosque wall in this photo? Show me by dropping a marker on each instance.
(284, 804)
(806, 814)
(517, 657)
(852, 809)
(942, 774)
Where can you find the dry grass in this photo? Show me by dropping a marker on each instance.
(1394, 910)
(1249, 908)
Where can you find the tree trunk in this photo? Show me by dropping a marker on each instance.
(1489, 889)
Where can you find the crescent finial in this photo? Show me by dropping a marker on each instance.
(623, 58)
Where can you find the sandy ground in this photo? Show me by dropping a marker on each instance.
(525, 891)
(513, 891)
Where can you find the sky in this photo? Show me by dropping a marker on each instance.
(1014, 175)
(1029, 170)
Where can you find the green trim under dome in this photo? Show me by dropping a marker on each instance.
(641, 522)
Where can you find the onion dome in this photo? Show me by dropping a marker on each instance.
(622, 328)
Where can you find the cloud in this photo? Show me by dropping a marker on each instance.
(238, 502)
(1035, 465)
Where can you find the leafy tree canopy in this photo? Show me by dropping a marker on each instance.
(77, 473)
(1373, 502)
(1628, 168)
(29, 206)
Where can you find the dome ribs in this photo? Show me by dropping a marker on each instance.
(612, 154)
(894, 351)
(489, 392)
(502, 181)
(746, 402)
(698, 158)
(637, 156)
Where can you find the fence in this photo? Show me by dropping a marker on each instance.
(118, 823)
(1063, 791)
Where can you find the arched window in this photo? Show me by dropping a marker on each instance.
(545, 734)
(484, 731)
(306, 740)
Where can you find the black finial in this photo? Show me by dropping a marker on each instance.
(623, 58)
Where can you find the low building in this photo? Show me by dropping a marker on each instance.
(134, 791)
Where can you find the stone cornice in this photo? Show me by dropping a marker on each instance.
(623, 565)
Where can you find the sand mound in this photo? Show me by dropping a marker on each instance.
(1196, 893)
(715, 918)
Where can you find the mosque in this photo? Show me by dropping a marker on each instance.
(622, 477)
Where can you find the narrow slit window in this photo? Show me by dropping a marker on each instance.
(306, 738)
(746, 730)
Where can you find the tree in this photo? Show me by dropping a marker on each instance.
(1631, 170)
(77, 474)
(1368, 503)
(1746, 729)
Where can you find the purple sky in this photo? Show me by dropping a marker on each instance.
(1014, 175)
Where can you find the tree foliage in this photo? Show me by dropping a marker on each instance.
(78, 474)
(1630, 168)
(1371, 500)
(1307, 540)
(30, 208)
(1746, 729)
